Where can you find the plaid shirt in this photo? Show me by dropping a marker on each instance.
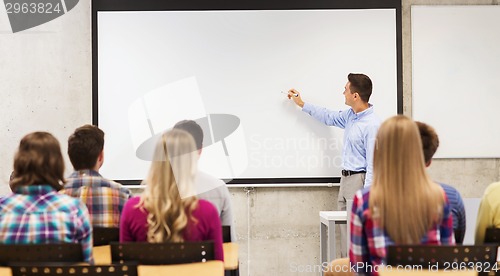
(369, 242)
(38, 214)
(104, 198)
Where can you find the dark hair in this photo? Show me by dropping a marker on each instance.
(194, 129)
(84, 146)
(361, 84)
(38, 161)
(430, 140)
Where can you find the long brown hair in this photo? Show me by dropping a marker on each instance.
(38, 161)
(403, 198)
(170, 178)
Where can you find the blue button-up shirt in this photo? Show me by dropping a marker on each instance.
(360, 132)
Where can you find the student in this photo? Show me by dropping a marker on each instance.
(35, 212)
(403, 206)
(430, 143)
(215, 189)
(488, 214)
(162, 213)
(104, 198)
(360, 125)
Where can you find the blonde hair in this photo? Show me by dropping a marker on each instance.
(171, 175)
(403, 199)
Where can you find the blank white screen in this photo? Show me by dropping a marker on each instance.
(240, 61)
(455, 77)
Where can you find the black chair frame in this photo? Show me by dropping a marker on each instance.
(162, 253)
(492, 235)
(444, 257)
(28, 269)
(41, 253)
(226, 233)
(105, 235)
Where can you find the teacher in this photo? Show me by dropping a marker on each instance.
(360, 125)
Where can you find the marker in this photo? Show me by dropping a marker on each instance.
(295, 95)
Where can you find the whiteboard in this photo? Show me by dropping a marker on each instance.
(158, 67)
(455, 68)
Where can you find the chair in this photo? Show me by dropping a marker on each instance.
(226, 233)
(36, 253)
(27, 269)
(459, 238)
(492, 235)
(230, 253)
(162, 253)
(428, 256)
(105, 235)
(231, 260)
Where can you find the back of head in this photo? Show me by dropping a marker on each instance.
(361, 84)
(192, 128)
(84, 147)
(38, 161)
(430, 140)
(401, 185)
(169, 186)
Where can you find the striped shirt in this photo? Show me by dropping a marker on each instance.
(104, 198)
(37, 214)
(369, 242)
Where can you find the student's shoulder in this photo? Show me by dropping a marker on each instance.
(451, 192)
(206, 207)
(362, 197)
(493, 187)
(209, 185)
(205, 177)
(134, 200)
(115, 185)
(111, 184)
(65, 202)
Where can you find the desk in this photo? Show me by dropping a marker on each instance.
(231, 261)
(102, 254)
(328, 220)
(209, 268)
(5, 271)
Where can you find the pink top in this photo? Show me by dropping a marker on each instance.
(134, 226)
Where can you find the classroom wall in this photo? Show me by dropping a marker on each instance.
(45, 84)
